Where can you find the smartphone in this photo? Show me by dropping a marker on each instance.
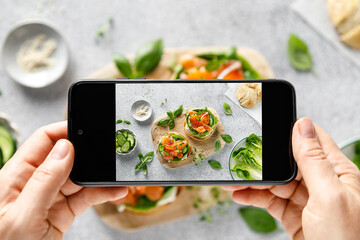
(181, 132)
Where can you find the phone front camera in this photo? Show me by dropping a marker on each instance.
(80, 132)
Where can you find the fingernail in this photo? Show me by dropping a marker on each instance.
(60, 150)
(307, 129)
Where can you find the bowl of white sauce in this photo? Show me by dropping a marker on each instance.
(141, 110)
(35, 54)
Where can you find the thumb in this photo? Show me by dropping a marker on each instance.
(310, 157)
(45, 183)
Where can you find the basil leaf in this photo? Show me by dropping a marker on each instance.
(170, 114)
(119, 121)
(148, 157)
(299, 55)
(144, 169)
(249, 71)
(127, 122)
(163, 122)
(171, 124)
(217, 145)
(258, 219)
(212, 65)
(122, 64)
(178, 111)
(227, 138)
(231, 53)
(139, 166)
(140, 156)
(211, 55)
(148, 56)
(215, 164)
(227, 109)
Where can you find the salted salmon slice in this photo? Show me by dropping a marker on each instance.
(154, 193)
(200, 123)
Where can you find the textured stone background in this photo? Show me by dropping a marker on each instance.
(330, 98)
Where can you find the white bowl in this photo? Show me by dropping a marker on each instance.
(138, 104)
(347, 147)
(133, 134)
(13, 42)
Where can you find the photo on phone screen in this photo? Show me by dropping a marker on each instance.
(188, 131)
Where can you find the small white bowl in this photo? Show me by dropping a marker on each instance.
(138, 104)
(347, 147)
(28, 30)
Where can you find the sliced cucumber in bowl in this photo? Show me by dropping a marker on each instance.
(125, 141)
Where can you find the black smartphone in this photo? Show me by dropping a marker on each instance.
(181, 132)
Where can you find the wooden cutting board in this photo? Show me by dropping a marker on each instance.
(203, 147)
(183, 205)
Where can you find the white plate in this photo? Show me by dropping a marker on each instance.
(13, 42)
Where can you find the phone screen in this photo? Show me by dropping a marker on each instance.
(188, 132)
(194, 131)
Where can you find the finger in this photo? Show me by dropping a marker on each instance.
(87, 197)
(27, 158)
(48, 178)
(311, 159)
(235, 188)
(284, 191)
(70, 188)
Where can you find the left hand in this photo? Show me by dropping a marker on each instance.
(37, 198)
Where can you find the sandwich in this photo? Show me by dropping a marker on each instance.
(200, 123)
(249, 94)
(147, 200)
(345, 16)
(221, 63)
(174, 147)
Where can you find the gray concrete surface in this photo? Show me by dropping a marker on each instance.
(330, 98)
(188, 95)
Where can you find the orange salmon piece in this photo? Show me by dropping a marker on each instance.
(154, 193)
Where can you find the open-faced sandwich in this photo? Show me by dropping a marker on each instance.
(220, 63)
(147, 200)
(174, 147)
(345, 16)
(200, 123)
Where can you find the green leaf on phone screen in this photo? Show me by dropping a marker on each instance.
(227, 138)
(163, 122)
(127, 122)
(144, 160)
(119, 121)
(217, 145)
(215, 164)
(227, 109)
(170, 114)
(258, 219)
(178, 111)
(171, 124)
(122, 64)
(299, 55)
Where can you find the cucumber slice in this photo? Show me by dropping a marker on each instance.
(125, 134)
(118, 149)
(126, 147)
(117, 144)
(131, 139)
(7, 144)
(121, 139)
(185, 149)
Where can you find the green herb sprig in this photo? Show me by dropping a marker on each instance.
(123, 121)
(227, 109)
(171, 117)
(144, 160)
(147, 58)
(104, 28)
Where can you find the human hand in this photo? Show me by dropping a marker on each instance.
(324, 200)
(37, 199)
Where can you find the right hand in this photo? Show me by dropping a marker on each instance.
(324, 200)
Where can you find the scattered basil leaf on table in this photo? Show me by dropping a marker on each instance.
(215, 164)
(258, 219)
(227, 138)
(227, 109)
(144, 160)
(122, 64)
(148, 56)
(217, 145)
(299, 55)
(119, 121)
(127, 122)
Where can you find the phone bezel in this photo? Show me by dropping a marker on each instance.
(72, 136)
